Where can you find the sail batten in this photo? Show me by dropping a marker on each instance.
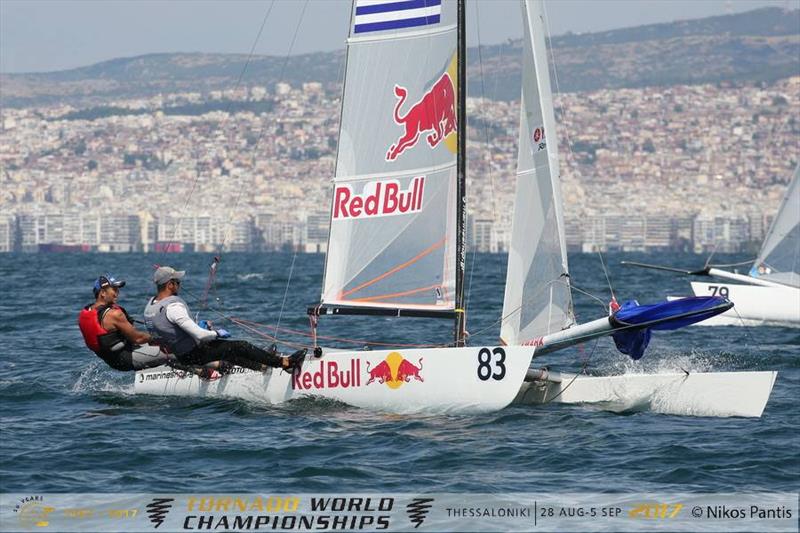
(537, 300)
(393, 226)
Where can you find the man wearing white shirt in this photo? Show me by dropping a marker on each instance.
(167, 319)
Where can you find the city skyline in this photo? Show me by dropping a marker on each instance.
(713, 174)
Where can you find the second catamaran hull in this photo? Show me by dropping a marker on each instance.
(720, 394)
(754, 305)
(407, 381)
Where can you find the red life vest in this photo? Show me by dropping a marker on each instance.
(91, 328)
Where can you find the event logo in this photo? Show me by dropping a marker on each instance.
(418, 510)
(394, 371)
(157, 510)
(32, 511)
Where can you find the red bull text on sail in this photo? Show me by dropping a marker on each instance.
(379, 199)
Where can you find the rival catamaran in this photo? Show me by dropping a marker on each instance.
(396, 246)
(770, 293)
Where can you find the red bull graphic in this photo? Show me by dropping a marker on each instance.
(435, 112)
(539, 142)
(379, 199)
(329, 375)
(394, 371)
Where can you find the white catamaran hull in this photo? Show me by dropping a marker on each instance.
(753, 305)
(470, 380)
(721, 394)
(435, 380)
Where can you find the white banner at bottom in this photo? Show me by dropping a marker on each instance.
(283, 511)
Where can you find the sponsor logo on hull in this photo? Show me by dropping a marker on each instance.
(394, 371)
(329, 375)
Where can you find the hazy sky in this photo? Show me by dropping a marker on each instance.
(44, 35)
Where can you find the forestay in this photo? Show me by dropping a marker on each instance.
(392, 237)
(779, 259)
(537, 298)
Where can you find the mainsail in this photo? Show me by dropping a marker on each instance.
(779, 260)
(537, 297)
(393, 226)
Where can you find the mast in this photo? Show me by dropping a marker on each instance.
(461, 172)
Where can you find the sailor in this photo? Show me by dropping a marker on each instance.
(166, 317)
(108, 330)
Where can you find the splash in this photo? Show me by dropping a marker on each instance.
(96, 378)
(250, 276)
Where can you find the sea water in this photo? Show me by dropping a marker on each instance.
(70, 424)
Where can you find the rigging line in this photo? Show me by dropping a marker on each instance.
(532, 297)
(359, 342)
(225, 118)
(584, 366)
(286, 292)
(561, 107)
(740, 263)
(708, 261)
(263, 128)
(486, 135)
(590, 295)
(605, 271)
(341, 80)
(267, 336)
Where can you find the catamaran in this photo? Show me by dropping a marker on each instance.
(397, 248)
(770, 293)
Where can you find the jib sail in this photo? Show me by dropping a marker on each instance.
(537, 298)
(779, 259)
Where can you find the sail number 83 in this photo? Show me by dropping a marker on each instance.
(491, 364)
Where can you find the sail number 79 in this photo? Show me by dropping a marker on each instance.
(491, 364)
(718, 290)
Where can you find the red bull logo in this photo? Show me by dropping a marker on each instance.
(394, 371)
(435, 112)
(329, 375)
(379, 199)
(539, 142)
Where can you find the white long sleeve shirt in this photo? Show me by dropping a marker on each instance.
(178, 315)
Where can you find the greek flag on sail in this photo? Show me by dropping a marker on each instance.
(377, 15)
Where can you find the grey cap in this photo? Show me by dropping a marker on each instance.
(163, 274)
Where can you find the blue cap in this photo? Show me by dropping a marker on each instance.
(107, 281)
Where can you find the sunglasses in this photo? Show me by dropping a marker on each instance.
(176, 281)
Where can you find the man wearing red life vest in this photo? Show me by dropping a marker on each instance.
(109, 332)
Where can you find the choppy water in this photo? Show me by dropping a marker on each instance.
(69, 424)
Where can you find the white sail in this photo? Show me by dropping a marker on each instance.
(537, 296)
(393, 219)
(779, 259)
